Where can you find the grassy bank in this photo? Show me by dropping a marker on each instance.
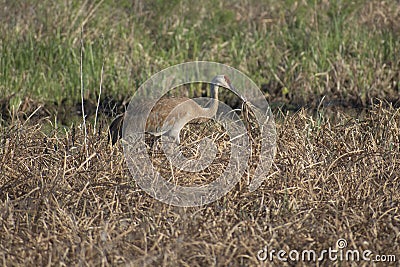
(296, 51)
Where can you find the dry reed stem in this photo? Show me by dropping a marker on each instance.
(332, 178)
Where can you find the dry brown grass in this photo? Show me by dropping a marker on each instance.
(333, 177)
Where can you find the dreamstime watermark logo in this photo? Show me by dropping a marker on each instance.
(340, 253)
(134, 127)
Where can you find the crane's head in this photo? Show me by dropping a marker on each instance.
(221, 81)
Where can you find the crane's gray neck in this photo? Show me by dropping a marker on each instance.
(212, 107)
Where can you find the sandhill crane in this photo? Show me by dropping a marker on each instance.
(170, 115)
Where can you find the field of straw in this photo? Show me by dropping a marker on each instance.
(332, 78)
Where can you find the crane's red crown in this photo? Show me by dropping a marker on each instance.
(227, 80)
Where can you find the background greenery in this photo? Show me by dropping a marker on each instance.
(296, 51)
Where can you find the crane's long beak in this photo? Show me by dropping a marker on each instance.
(237, 93)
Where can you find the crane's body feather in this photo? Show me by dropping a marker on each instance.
(170, 115)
